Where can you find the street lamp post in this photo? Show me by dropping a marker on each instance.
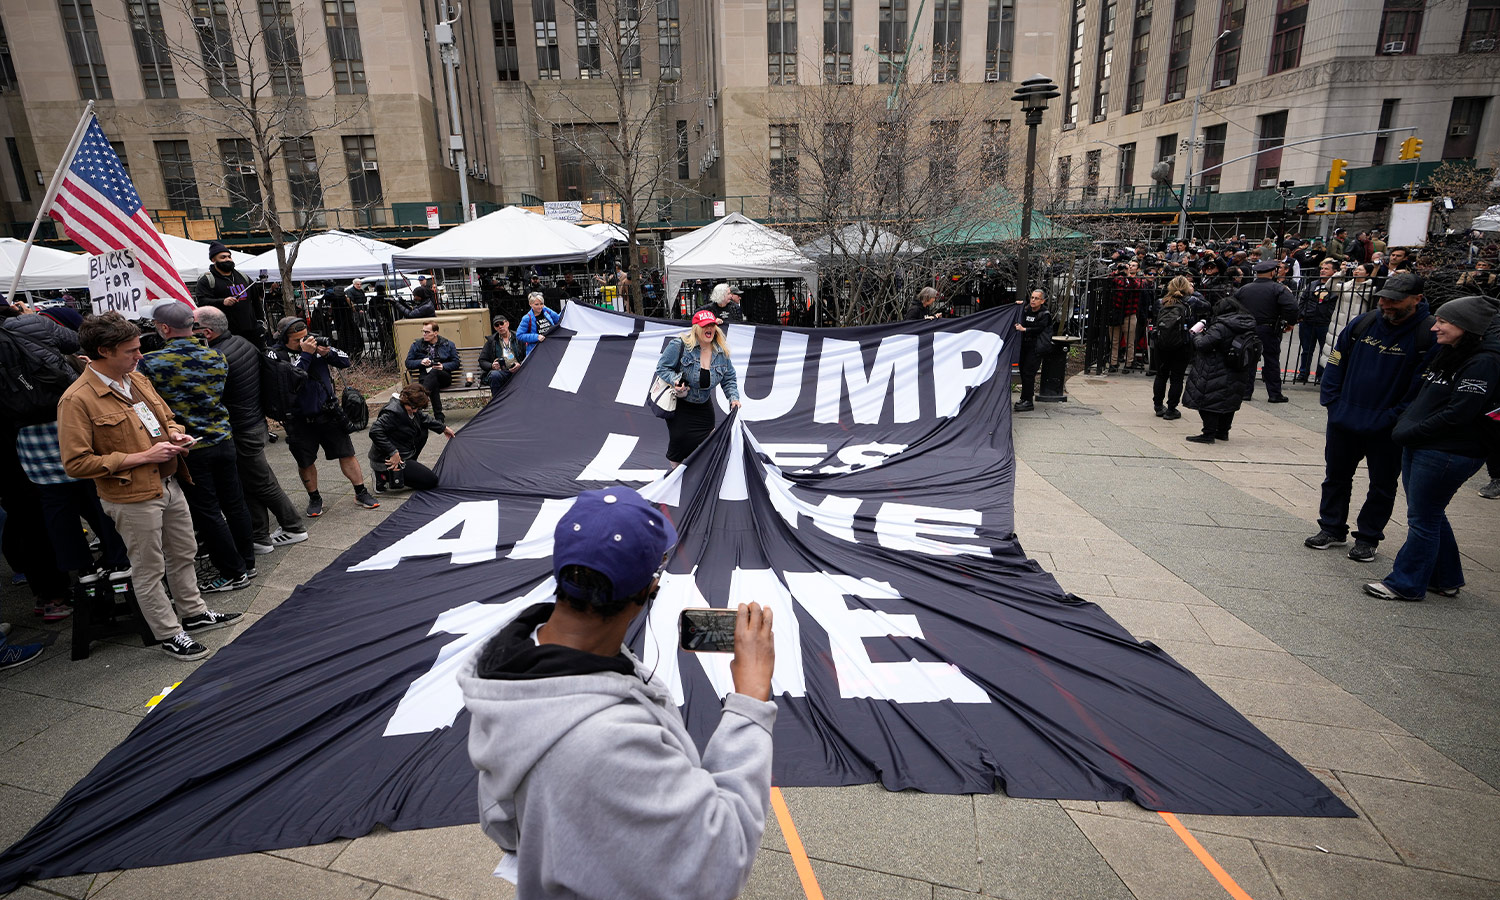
(1192, 142)
(1033, 95)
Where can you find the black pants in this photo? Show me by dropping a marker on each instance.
(1342, 451)
(62, 506)
(1216, 424)
(1492, 465)
(434, 381)
(1171, 366)
(26, 545)
(220, 515)
(1031, 360)
(412, 475)
(1270, 360)
(1312, 336)
(689, 426)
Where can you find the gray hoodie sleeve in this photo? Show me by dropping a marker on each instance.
(623, 811)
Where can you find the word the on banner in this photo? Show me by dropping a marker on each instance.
(116, 282)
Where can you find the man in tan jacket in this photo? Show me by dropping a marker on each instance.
(114, 428)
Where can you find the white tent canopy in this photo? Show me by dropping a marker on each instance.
(736, 246)
(1489, 220)
(608, 229)
(46, 269)
(190, 258)
(860, 240)
(507, 237)
(330, 256)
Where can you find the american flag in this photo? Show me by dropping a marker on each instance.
(99, 207)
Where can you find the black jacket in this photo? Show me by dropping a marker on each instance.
(242, 387)
(1038, 326)
(394, 431)
(1212, 386)
(1269, 302)
(491, 351)
(246, 315)
(1316, 304)
(1453, 394)
(43, 330)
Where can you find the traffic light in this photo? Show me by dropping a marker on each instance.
(1336, 175)
(1411, 148)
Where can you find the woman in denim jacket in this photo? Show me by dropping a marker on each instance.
(696, 362)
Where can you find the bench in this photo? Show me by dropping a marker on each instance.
(461, 388)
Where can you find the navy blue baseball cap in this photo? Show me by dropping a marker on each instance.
(618, 534)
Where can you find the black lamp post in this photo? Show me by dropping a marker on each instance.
(1033, 95)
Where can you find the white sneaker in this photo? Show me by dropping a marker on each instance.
(283, 538)
(263, 549)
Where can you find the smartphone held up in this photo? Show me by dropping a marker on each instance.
(706, 630)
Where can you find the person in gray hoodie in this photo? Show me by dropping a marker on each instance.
(588, 778)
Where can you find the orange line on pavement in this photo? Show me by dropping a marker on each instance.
(794, 845)
(1209, 863)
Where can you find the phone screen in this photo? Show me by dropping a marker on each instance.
(706, 630)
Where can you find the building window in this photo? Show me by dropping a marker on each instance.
(363, 168)
(1140, 53)
(302, 177)
(548, 62)
(1382, 141)
(1092, 161)
(241, 178)
(283, 56)
(1126, 175)
(586, 22)
(1180, 51)
(16, 167)
(1075, 65)
(344, 49)
(630, 38)
(215, 41)
(890, 164)
(1064, 174)
(586, 168)
(1104, 61)
(177, 177)
(84, 50)
(119, 148)
(1166, 153)
(150, 39)
(1481, 27)
(942, 159)
(994, 149)
(947, 33)
(1286, 40)
(7, 66)
(1227, 51)
(1270, 135)
(837, 158)
(1464, 121)
(784, 161)
(1000, 40)
(838, 41)
(781, 41)
(892, 39)
(1214, 137)
(684, 169)
(669, 40)
(1400, 23)
(507, 46)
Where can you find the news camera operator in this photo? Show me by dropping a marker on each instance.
(588, 778)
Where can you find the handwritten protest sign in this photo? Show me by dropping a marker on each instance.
(116, 283)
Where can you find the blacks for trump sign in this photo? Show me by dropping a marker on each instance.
(863, 492)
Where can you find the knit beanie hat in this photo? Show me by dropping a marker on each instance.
(215, 248)
(1472, 314)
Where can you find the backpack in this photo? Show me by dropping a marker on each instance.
(280, 383)
(1171, 326)
(1243, 351)
(33, 378)
(356, 410)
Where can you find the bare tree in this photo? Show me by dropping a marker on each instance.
(248, 60)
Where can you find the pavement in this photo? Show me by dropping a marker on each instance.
(1197, 548)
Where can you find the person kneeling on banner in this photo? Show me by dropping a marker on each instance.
(697, 361)
(397, 437)
(588, 778)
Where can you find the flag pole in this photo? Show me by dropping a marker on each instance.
(52, 188)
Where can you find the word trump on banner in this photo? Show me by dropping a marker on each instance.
(117, 283)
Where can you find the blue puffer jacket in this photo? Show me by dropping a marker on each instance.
(1366, 383)
(678, 363)
(527, 333)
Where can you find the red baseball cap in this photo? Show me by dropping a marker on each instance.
(706, 317)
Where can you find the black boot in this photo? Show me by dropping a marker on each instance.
(1160, 410)
(1200, 438)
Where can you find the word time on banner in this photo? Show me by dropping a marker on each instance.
(116, 282)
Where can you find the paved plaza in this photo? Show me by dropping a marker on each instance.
(1196, 548)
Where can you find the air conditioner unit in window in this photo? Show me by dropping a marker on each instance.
(1135, 107)
(846, 78)
(371, 165)
(1267, 182)
(1458, 131)
(1394, 47)
(201, 22)
(992, 77)
(1174, 96)
(1100, 118)
(1069, 126)
(939, 77)
(1483, 45)
(710, 102)
(1222, 83)
(247, 170)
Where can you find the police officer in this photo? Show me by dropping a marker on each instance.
(1274, 309)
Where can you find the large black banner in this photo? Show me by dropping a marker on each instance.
(863, 492)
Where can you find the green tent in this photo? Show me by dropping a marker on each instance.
(1005, 227)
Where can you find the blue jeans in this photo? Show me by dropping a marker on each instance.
(496, 379)
(1429, 558)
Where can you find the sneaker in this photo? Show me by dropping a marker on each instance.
(1279, 398)
(1444, 592)
(379, 483)
(314, 507)
(1323, 540)
(1200, 438)
(364, 499)
(1491, 491)
(221, 584)
(56, 611)
(1171, 414)
(183, 647)
(90, 577)
(121, 574)
(264, 548)
(1378, 589)
(1161, 411)
(283, 538)
(14, 655)
(1362, 551)
(18, 578)
(209, 621)
(252, 572)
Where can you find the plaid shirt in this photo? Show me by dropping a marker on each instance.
(37, 447)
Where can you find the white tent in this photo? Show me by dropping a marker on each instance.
(46, 269)
(190, 258)
(609, 230)
(1489, 220)
(329, 256)
(508, 237)
(736, 246)
(860, 240)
